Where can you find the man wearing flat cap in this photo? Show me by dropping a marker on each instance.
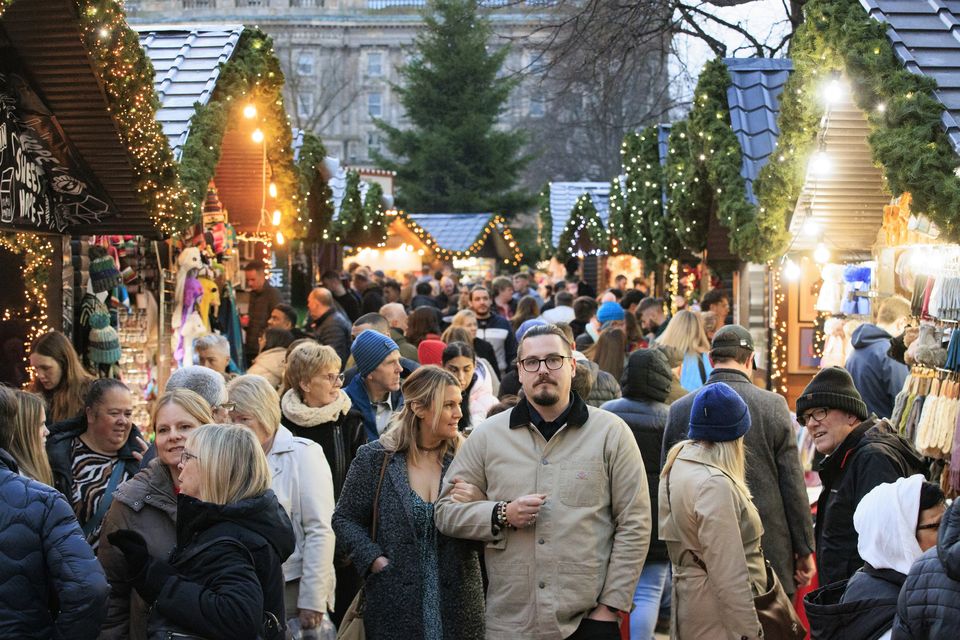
(773, 464)
(862, 451)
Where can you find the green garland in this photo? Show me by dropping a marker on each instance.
(374, 218)
(545, 224)
(252, 75)
(688, 191)
(621, 238)
(314, 189)
(583, 219)
(907, 137)
(350, 222)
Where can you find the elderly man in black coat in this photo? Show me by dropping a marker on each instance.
(773, 464)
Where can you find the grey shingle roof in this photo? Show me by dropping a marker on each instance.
(563, 195)
(187, 63)
(754, 101)
(453, 231)
(926, 39)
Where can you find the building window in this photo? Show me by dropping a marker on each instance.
(536, 108)
(199, 4)
(306, 4)
(374, 143)
(305, 63)
(304, 105)
(374, 64)
(375, 105)
(253, 3)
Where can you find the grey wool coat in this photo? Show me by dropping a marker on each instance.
(394, 604)
(773, 470)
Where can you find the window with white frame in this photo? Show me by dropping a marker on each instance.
(304, 105)
(375, 105)
(305, 63)
(374, 64)
(536, 108)
(374, 143)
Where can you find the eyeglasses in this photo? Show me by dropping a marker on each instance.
(333, 378)
(931, 525)
(532, 365)
(816, 414)
(226, 406)
(186, 457)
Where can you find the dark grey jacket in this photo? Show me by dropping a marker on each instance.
(394, 605)
(773, 470)
(332, 329)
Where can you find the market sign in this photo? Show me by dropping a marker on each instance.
(41, 183)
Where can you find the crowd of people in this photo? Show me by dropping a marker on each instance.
(503, 459)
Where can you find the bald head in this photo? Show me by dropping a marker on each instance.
(395, 314)
(319, 302)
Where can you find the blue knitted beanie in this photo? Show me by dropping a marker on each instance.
(610, 311)
(369, 349)
(718, 414)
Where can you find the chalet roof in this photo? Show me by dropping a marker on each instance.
(563, 195)
(453, 231)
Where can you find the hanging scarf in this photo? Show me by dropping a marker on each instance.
(294, 409)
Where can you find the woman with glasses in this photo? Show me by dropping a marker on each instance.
(459, 359)
(224, 578)
(303, 484)
(419, 583)
(147, 504)
(314, 406)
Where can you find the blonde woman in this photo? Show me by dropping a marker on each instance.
(419, 583)
(685, 334)
(224, 578)
(24, 438)
(147, 504)
(710, 525)
(304, 486)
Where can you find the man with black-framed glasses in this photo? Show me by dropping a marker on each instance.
(862, 451)
(566, 513)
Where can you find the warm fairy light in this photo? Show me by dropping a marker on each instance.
(276, 218)
(249, 112)
(257, 136)
(821, 164)
(834, 91)
(272, 190)
(821, 254)
(791, 271)
(280, 238)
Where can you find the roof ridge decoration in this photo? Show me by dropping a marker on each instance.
(911, 137)
(445, 249)
(584, 218)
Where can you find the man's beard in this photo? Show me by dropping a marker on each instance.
(546, 395)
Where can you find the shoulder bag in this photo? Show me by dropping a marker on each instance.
(351, 627)
(777, 616)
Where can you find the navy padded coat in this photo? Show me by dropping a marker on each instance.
(51, 585)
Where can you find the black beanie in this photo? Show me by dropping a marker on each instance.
(832, 388)
(646, 376)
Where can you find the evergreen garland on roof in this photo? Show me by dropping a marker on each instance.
(584, 231)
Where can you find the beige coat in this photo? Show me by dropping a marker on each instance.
(703, 517)
(270, 365)
(591, 538)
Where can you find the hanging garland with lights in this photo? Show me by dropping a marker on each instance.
(495, 224)
(314, 190)
(545, 224)
(907, 137)
(37, 252)
(127, 77)
(374, 217)
(688, 192)
(621, 240)
(252, 76)
(350, 222)
(584, 219)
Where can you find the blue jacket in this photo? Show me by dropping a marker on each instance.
(877, 376)
(43, 553)
(361, 402)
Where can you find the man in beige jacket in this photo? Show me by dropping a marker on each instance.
(566, 519)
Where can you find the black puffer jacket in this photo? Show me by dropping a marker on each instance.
(43, 554)
(871, 455)
(862, 607)
(217, 591)
(929, 604)
(60, 443)
(645, 384)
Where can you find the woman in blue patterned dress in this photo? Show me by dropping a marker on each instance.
(419, 583)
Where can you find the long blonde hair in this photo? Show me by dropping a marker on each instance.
(66, 400)
(685, 333)
(424, 387)
(730, 457)
(232, 463)
(23, 440)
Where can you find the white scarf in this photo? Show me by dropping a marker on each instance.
(304, 416)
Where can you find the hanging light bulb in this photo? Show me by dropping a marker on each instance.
(249, 112)
(811, 227)
(821, 254)
(257, 136)
(272, 190)
(791, 271)
(820, 163)
(834, 91)
(280, 239)
(276, 217)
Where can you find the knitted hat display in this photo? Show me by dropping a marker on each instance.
(104, 343)
(832, 388)
(718, 414)
(369, 349)
(609, 312)
(104, 274)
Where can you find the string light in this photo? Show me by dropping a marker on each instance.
(249, 112)
(257, 136)
(821, 254)
(37, 254)
(276, 218)
(272, 190)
